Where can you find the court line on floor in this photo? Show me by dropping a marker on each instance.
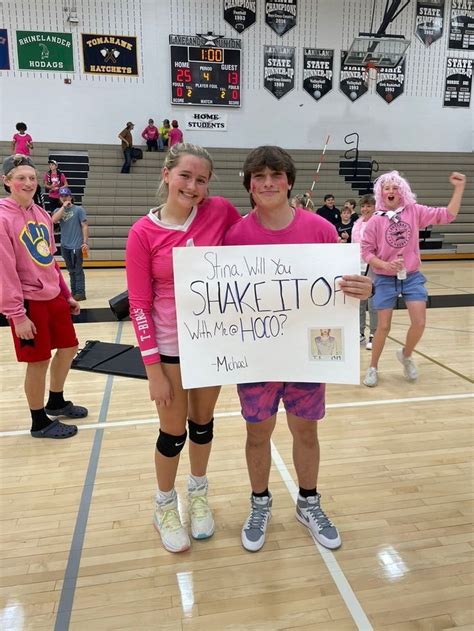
(66, 600)
(353, 605)
(435, 361)
(329, 406)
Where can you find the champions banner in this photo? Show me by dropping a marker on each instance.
(266, 313)
(44, 52)
(352, 81)
(390, 82)
(458, 84)
(279, 69)
(281, 15)
(4, 53)
(109, 54)
(429, 20)
(317, 71)
(461, 25)
(240, 14)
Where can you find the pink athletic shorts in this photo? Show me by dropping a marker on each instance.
(260, 401)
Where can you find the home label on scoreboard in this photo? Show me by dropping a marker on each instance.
(205, 70)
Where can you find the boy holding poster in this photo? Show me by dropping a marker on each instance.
(269, 175)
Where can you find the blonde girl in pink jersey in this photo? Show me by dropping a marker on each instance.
(390, 245)
(186, 218)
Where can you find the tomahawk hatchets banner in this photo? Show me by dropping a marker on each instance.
(390, 82)
(458, 85)
(240, 14)
(281, 15)
(461, 25)
(352, 81)
(429, 20)
(317, 71)
(43, 51)
(266, 313)
(279, 69)
(109, 54)
(4, 54)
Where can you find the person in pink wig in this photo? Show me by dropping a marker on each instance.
(390, 246)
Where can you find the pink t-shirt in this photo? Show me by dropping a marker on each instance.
(175, 135)
(58, 180)
(150, 132)
(21, 143)
(306, 227)
(149, 263)
(387, 239)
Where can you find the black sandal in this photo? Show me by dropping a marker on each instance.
(69, 411)
(55, 429)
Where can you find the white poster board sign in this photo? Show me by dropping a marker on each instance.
(266, 313)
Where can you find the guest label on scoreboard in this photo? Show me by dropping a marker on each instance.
(205, 70)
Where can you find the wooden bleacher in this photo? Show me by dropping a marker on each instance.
(114, 201)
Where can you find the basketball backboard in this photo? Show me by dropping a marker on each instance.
(376, 51)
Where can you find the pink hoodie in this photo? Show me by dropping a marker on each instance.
(28, 270)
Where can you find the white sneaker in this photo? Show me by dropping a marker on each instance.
(371, 377)
(368, 346)
(253, 531)
(311, 515)
(409, 367)
(167, 522)
(200, 515)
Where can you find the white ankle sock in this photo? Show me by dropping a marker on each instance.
(196, 480)
(165, 496)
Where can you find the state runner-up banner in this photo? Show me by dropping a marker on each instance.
(266, 313)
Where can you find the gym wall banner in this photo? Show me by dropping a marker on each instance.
(352, 81)
(279, 69)
(4, 54)
(461, 25)
(109, 54)
(240, 14)
(317, 71)
(281, 16)
(45, 52)
(205, 121)
(429, 20)
(458, 83)
(390, 82)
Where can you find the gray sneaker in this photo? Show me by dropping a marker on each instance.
(253, 531)
(311, 515)
(409, 367)
(371, 377)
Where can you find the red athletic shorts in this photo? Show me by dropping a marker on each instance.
(54, 329)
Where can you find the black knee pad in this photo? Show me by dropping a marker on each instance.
(169, 445)
(201, 434)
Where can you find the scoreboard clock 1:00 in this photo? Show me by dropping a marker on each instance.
(205, 70)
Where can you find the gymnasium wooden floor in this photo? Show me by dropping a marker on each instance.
(79, 550)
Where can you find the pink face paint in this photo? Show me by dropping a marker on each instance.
(16, 186)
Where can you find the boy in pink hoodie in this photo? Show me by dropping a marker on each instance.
(390, 245)
(36, 300)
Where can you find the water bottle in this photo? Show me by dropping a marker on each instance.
(402, 273)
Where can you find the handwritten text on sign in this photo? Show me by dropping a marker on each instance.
(266, 313)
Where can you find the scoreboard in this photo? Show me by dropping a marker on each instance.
(205, 70)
